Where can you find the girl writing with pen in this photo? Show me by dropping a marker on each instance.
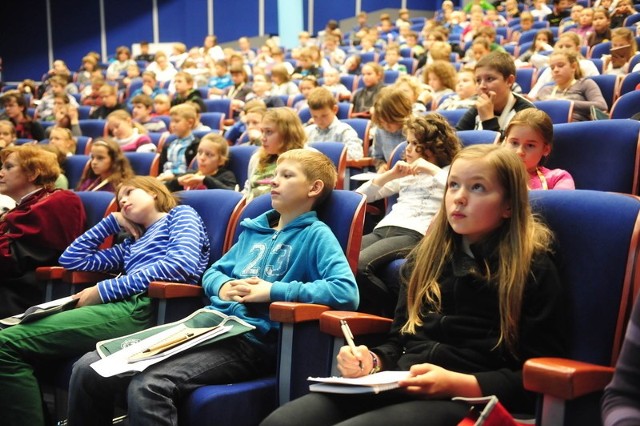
(481, 297)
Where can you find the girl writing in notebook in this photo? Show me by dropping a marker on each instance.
(167, 243)
(107, 169)
(481, 297)
(530, 135)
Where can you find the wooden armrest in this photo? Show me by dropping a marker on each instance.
(84, 277)
(228, 122)
(45, 273)
(565, 379)
(294, 312)
(361, 114)
(167, 290)
(361, 163)
(344, 97)
(359, 323)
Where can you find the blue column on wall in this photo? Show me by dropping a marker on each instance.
(290, 22)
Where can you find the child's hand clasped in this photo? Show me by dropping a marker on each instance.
(252, 290)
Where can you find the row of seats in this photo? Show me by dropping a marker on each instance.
(586, 149)
(344, 214)
(311, 336)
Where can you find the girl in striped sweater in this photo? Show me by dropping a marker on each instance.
(168, 243)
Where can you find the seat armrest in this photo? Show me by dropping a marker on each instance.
(294, 312)
(564, 379)
(85, 277)
(168, 290)
(361, 163)
(359, 323)
(46, 273)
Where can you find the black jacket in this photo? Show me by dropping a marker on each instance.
(463, 336)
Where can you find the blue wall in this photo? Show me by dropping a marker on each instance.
(24, 42)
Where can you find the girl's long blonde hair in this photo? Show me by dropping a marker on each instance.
(519, 238)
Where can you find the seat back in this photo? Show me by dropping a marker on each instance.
(559, 110)
(527, 36)
(524, 77)
(629, 82)
(97, 206)
(596, 257)
(362, 127)
(626, 105)
(218, 209)
(475, 137)
(84, 111)
(144, 163)
(350, 82)
(83, 144)
(390, 76)
(597, 50)
(452, 115)
(305, 115)
(74, 167)
(219, 105)
(608, 84)
(218, 221)
(239, 156)
(213, 119)
(337, 153)
(344, 110)
(95, 128)
(578, 148)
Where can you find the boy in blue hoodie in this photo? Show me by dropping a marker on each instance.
(286, 254)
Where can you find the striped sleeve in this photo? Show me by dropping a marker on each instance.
(177, 249)
(84, 254)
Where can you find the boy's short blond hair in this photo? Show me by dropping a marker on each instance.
(316, 166)
(185, 110)
(320, 98)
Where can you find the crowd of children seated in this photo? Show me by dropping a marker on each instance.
(393, 73)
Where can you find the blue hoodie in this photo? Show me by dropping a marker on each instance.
(304, 261)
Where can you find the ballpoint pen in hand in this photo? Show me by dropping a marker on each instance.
(349, 338)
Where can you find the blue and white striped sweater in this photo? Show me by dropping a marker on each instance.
(175, 248)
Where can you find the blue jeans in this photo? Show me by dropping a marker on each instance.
(152, 396)
(378, 249)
